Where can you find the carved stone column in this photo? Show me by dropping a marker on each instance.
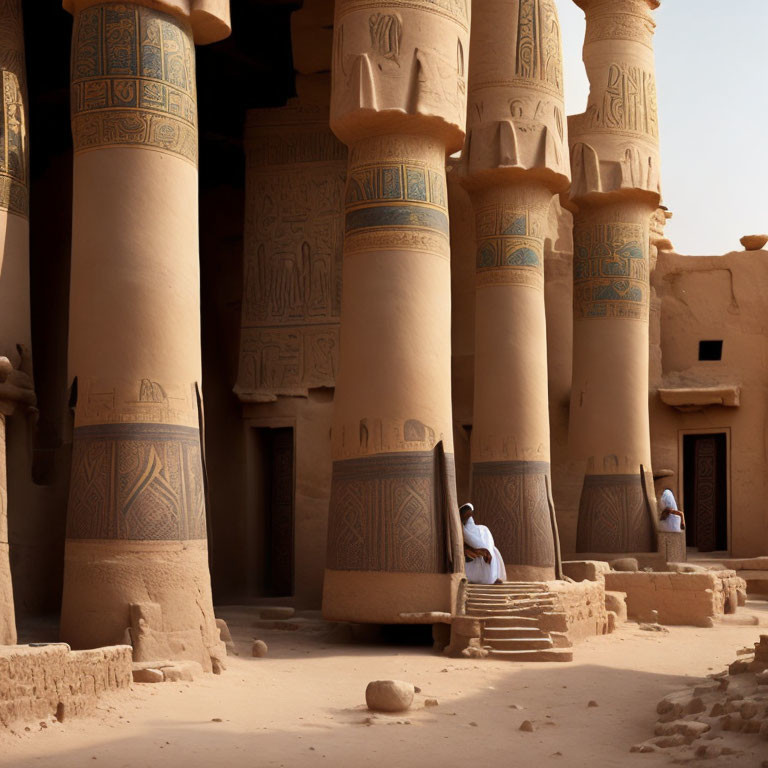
(14, 269)
(515, 159)
(399, 104)
(616, 188)
(136, 550)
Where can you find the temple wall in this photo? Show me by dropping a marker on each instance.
(716, 298)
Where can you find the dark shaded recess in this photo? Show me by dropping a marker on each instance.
(711, 350)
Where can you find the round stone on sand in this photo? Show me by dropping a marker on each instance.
(260, 649)
(389, 695)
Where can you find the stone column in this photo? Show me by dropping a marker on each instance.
(616, 189)
(515, 159)
(14, 269)
(399, 98)
(136, 551)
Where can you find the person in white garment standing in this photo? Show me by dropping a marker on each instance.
(671, 518)
(485, 564)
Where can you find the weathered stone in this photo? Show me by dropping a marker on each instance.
(690, 730)
(259, 649)
(148, 675)
(625, 564)
(753, 242)
(526, 726)
(389, 695)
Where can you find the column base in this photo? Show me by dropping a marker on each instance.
(614, 515)
(510, 497)
(378, 597)
(7, 614)
(155, 595)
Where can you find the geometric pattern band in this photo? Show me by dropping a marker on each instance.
(141, 482)
(511, 498)
(614, 515)
(133, 81)
(388, 512)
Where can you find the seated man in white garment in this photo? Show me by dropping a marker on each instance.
(671, 518)
(485, 565)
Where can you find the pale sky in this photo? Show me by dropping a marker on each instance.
(712, 81)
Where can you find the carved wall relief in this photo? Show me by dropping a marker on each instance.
(509, 247)
(133, 81)
(296, 173)
(13, 121)
(610, 271)
(538, 44)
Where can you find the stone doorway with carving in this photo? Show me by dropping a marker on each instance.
(705, 490)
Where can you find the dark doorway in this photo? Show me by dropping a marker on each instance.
(272, 525)
(705, 492)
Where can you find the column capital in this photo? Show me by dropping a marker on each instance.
(209, 19)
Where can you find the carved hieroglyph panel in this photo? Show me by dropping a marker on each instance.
(613, 515)
(629, 20)
(296, 173)
(140, 401)
(510, 247)
(386, 514)
(610, 271)
(399, 205)
(626, 103)
(538, 53)
(133, 81)
(511, 498)
(13, 122)
(138, 482)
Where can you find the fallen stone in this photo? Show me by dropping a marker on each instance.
(665, 742)
(690, 730)
(652, 627)
(181, 671)
(431, 703)
(592, 703)
(708, 751)
(643, 748)
(389, 695)
(148, 675)
(259, 649)
(526, 726)
(626, 564)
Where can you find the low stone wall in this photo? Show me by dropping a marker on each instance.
(754, 570)
(580, 610)
(52, 681)
(678, 598)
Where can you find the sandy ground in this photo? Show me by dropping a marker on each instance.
(303, 705)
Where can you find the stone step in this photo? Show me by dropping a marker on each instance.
(502, 589)
(509, 603)
(519, 644)
(510, 622)
(484, 610)
(509, 633)
(505, 597)
(546, 654)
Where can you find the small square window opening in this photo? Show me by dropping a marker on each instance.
(711, 350)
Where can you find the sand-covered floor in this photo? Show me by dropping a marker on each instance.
(303, 705)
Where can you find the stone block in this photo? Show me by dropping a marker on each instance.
(585, 570)
(617, 603)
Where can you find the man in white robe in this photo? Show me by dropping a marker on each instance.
(486, 565)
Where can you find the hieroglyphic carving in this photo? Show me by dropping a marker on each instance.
(133, 81)
(401, 206)
(14, 196)
(610, 271)
(613, 515)
(538, 44)
(293, 254)
(456, 10)
(386, 514)
(136, 481)
(511, 498)
(510, 246)
(621, 22)
(144, 401)
(628, 103)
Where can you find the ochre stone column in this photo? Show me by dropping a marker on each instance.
(136, 552)
(15, 385)
(615, 164)
(515, 159)
(399, 104)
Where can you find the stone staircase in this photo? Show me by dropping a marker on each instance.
(511, 617)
